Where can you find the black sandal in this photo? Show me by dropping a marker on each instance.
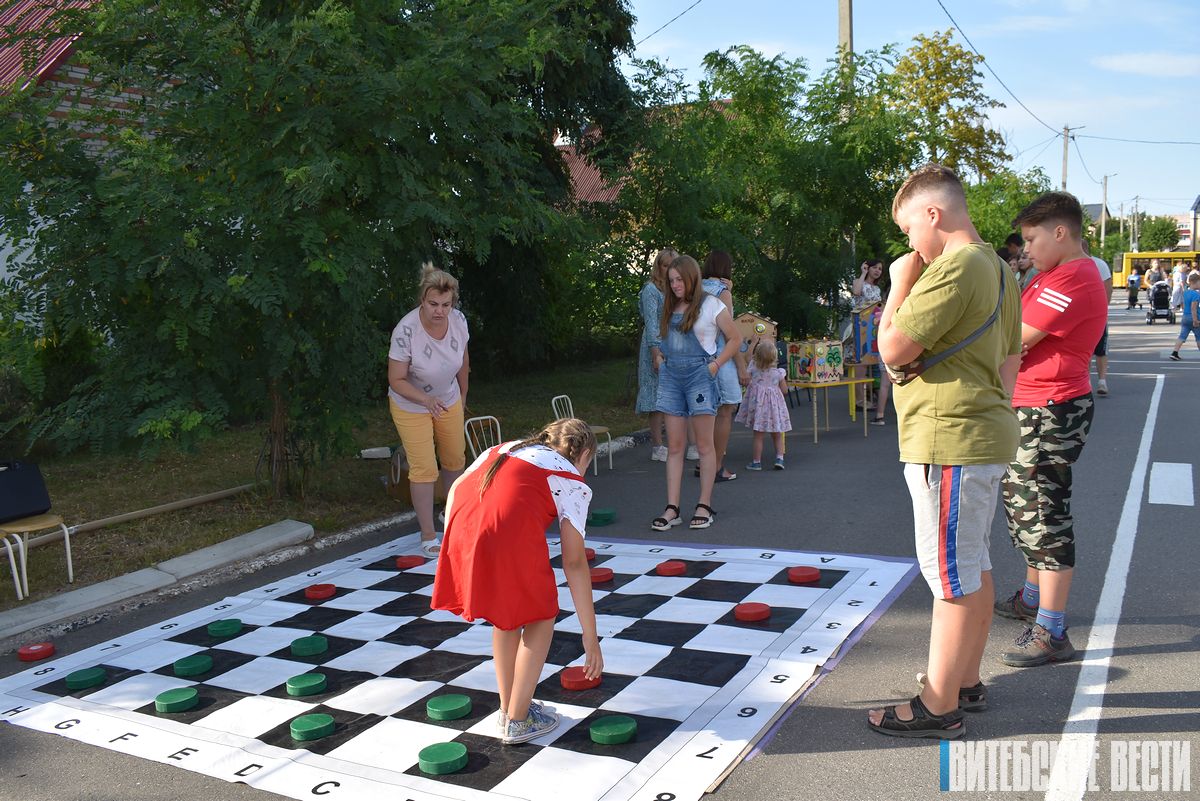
(662, 523)
(703, 522)
(923, 724)
(970, 699)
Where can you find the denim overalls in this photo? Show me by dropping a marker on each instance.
(685, 387)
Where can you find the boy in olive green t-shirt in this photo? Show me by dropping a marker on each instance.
(958, 433)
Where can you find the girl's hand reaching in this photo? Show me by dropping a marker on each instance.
(593, 664)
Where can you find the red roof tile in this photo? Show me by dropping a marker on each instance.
(587, 184)
(26, 16)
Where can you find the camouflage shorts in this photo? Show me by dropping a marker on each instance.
(1036, 488)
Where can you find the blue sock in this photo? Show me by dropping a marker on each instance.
(1053, 622)
(1030, 595)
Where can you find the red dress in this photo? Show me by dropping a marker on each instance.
(494, 562)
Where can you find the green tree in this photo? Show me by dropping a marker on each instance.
(773, 167)
(1157, 233)
(994, 202)
(254, 224)
(938, 82)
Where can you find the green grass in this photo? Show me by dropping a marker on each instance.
(341, 492)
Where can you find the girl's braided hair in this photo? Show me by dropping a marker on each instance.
(569, 436)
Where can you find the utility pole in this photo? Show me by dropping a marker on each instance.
(1122, 218)
(1104, 209)
(1066, 141)
(1133, 231)
(846, 26)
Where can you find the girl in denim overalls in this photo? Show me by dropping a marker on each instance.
(687, 385)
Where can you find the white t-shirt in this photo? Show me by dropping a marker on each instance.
(705, 327)
(571, 498)
(1102, 266)
(433, 364)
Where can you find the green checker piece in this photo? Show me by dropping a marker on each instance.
(310, 646)
(225, 628)
(194, 665)
(306, 684)
(602, 517)
(613, 730)
(448, 707)
(442, 758)
(87, 678)
(312, 727)
(180, 699)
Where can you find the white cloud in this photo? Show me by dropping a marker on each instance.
(1153, 64)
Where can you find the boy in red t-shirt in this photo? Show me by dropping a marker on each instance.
(1064, 311)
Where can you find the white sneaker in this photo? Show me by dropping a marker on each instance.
(539, 722)
(693, 455)
(1102, 387)
(658, 453)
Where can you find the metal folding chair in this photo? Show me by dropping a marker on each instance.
(563, 408)
(482, 433)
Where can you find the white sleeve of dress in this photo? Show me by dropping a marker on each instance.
(571, 499)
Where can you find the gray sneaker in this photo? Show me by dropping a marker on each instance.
(1015, 608)
(502, 717)
(539, 722)
(1036, 646)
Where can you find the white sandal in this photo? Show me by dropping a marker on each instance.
(431, 549)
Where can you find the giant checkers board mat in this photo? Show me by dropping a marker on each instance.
(702, 686)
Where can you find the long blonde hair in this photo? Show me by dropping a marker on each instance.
(569, 436)
(693, 295)
(435, 280)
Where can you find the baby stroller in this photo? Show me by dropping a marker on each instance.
(1160, 303)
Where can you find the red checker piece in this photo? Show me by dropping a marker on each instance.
(35, 651)
(590, 553)
(407, 562)
(751, 612)
(601, 575)
(671, 568)
(320, 592)
(803, 575)
(573, 678)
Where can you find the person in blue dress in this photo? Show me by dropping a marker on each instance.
(650, 302)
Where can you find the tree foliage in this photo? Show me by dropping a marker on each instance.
(939, 84)
(995, 202)
(1157, 233)
(254, 225)
(775, 168)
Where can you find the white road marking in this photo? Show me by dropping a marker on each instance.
(1069, 777)
(1171, 483)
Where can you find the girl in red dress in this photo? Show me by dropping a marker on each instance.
(495, 563)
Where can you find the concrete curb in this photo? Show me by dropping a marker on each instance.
(248, 553)
(247, 546)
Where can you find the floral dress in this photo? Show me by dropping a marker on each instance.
(764, 408)
(650, 302)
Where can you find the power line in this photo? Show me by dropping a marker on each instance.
(1139, 141)
(1017, 155)
(994, 75)
(668, 22)
(1043, 150)
(1079, 153)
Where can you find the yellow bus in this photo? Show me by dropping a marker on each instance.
(1167, 261)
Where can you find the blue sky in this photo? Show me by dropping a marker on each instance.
(1121, 68)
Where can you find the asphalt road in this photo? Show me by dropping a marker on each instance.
(1134, 584)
